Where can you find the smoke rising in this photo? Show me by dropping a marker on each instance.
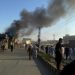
(41, 17)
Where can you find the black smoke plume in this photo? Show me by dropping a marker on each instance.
(41, 17)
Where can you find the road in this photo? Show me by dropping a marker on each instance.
(17, 63)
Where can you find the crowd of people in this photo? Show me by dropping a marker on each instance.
(59, 51)
(3, 46)
(32, 50)
(68, 52)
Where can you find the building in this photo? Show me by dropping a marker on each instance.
(26, 41)
(49, 42)
(69, 40)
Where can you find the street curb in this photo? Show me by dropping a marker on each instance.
(48, 64)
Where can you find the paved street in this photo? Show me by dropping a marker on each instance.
(17, 63)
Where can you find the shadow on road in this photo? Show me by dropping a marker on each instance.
(44, 69)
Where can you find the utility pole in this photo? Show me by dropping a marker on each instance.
(39, 30)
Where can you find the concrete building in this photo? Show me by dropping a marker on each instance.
(69, 40)
(66, 38)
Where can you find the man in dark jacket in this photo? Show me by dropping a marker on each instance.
(30, 51)
(58, 54)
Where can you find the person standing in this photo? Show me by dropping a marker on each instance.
(46, 48)
(59, 49)
(36, 51)
(3, 46)
(11, 46)
(67, 52)
(29, 51)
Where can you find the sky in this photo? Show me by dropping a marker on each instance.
(10, 10)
